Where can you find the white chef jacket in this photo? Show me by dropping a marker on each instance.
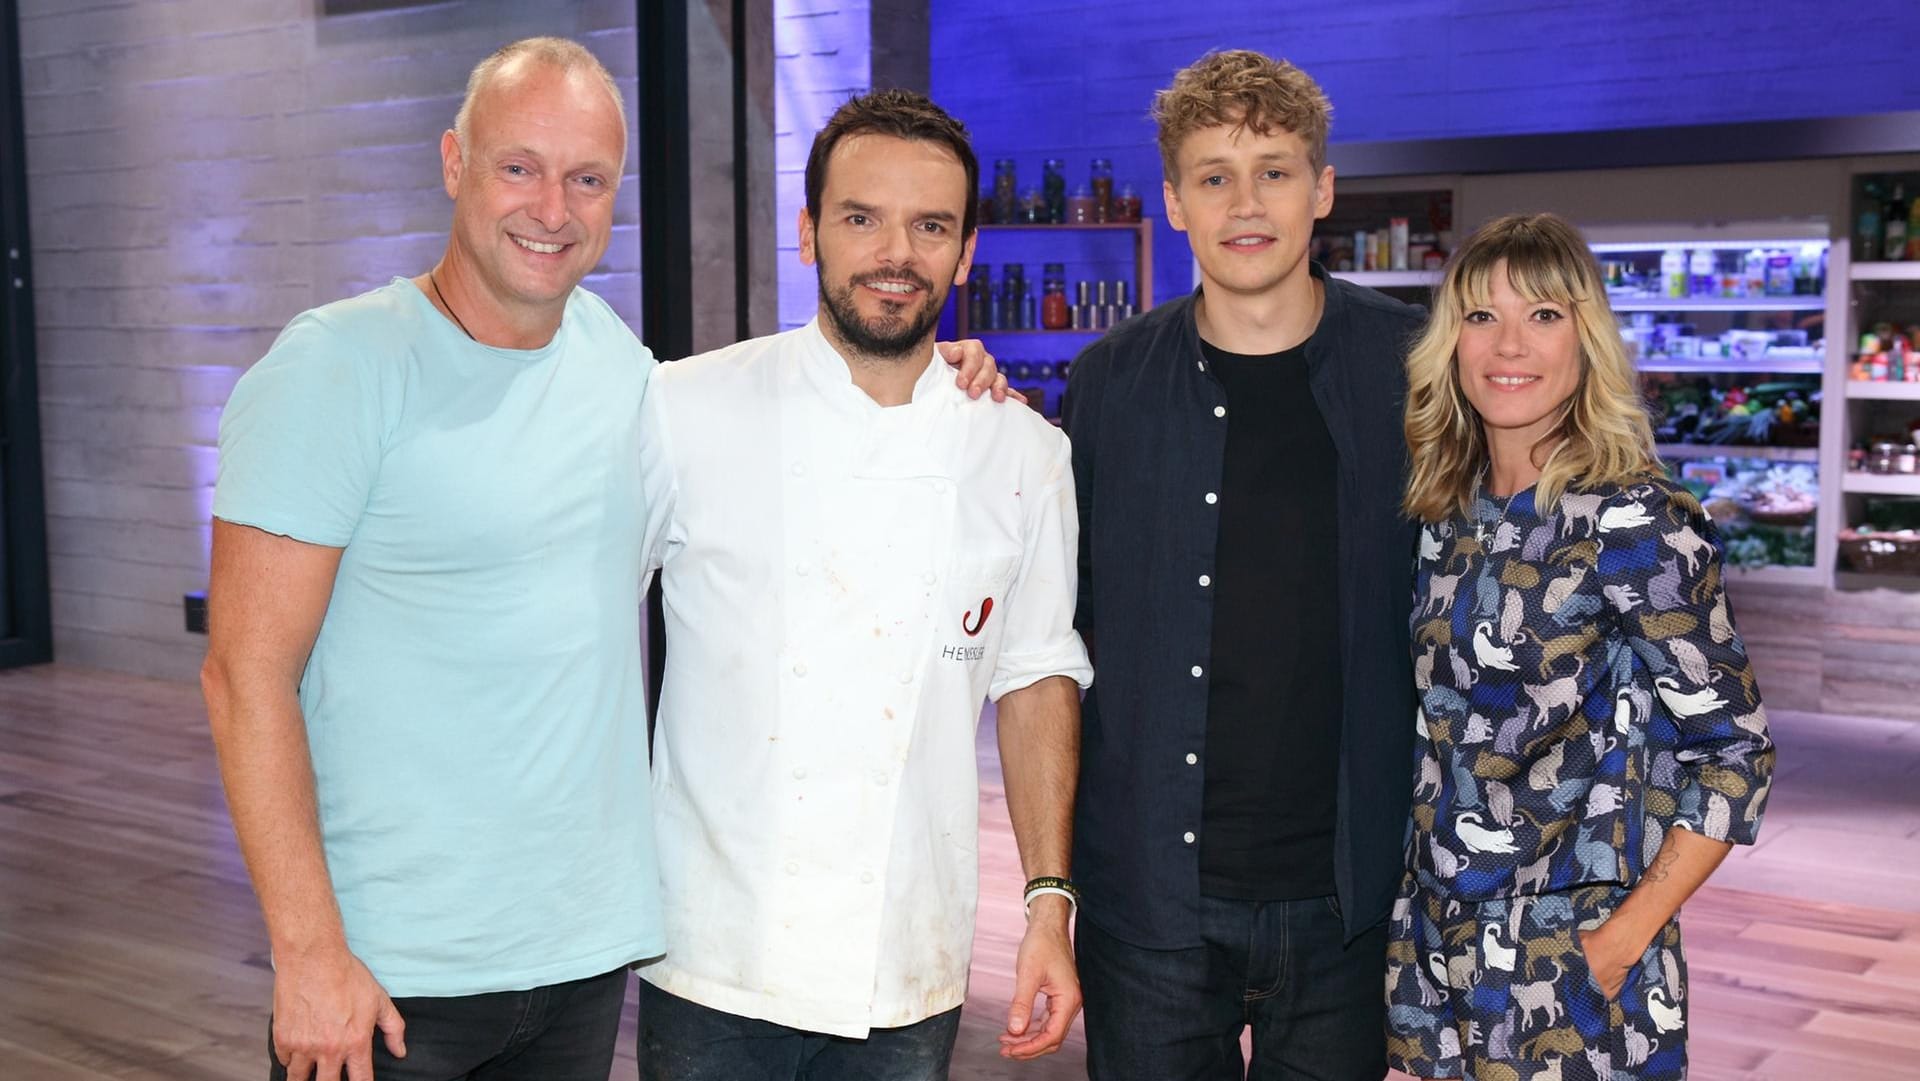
(844, 584)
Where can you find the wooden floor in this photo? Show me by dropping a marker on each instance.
(130, 947)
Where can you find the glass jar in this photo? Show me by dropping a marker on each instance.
(1882, 459)
(1054, 186)
(1101, 177)
(1080, 206)
(1033, 207)
(1006, 191)
(1127, 206)
(1054, 314)
(1908, 459)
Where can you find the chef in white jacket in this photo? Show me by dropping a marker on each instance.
(855, 556)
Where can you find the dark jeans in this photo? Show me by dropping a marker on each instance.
(1315, 1004)
(562, 1032)
(685, 1041)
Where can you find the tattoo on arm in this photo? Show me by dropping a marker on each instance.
(1663, 863)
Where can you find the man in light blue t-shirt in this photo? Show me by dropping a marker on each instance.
(424, 676)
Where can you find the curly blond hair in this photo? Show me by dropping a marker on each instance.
(1604, 435)
(1245, 89)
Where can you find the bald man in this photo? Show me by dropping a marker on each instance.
(424, 677)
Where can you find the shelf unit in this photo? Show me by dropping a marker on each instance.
(1650, 240)
(1140, 231)
(1897, 285)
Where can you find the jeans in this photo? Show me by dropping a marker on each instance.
(561, 1032)
(1314, 1002)
(685, 1041)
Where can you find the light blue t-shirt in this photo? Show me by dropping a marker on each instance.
(474, 702)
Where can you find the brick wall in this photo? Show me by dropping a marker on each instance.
(1036, 78)
(200, 171)
(822, 55)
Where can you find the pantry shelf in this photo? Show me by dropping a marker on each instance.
(1689, 451)
(1881, 483)
(1896, 392)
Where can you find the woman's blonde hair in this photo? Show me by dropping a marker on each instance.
(1603, 437)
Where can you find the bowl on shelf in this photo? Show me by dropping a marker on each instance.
(1777, 511)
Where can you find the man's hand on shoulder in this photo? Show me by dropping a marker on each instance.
(978, 373)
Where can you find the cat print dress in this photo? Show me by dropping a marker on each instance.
(1583, 691)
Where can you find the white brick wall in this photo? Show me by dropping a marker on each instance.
(822, 55)
(200, 171)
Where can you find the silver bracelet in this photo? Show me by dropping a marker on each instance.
(1041, 891)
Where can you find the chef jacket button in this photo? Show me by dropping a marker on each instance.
(1192, 759)
(1206, 580)
(866, 877)
(1196, 671)
(793, 868)
(801, 569)
(1212, 498)
(880, 777)
(1219, 410)
(801, 671)
(930, 577)
(800, 772)
(1187, 837)
(906, 677)
(799, 470)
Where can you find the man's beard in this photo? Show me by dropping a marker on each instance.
(886, 337)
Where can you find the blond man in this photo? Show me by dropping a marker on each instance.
(1244, 583)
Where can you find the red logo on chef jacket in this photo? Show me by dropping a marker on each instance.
(986, 609)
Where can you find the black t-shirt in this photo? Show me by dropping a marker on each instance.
(1274, 700)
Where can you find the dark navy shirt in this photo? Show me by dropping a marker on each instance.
(1148, 424)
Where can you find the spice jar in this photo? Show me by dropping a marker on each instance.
(1006, 191)
(1882, 459)
(1054, 185)
(1101, 177)
(1126, 207)
(1080, 209)
(1908, 460)
(1053, 302)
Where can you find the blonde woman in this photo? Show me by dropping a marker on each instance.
(1590, 741)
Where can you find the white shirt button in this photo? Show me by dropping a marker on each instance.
(906, 677)
(1196, 671)
(866, 877)
(799, 470)
(1219, 410)
(800, 772)
(1212, 498)
(801, 671)
(1193, 759)
(801, 569)
(793, 868)
(1206, 580)
(1187, 836)
(880, 777)
(930, 578)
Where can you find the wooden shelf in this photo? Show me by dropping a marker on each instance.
(1881, 483)
(1886, 272)
(1142, 233)
(1893, 392)
(1858, 580)
(1690, 451)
